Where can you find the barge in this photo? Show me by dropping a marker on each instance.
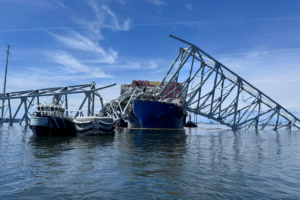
(95, 125)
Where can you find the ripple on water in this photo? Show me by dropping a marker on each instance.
(139, 164)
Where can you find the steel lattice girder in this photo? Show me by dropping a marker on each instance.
(119, 107)
(90, 91)
(204, 99)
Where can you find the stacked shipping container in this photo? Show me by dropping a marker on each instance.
(150, 84)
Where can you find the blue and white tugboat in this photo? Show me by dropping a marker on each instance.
(49, 121)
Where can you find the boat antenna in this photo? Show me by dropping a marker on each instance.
(53, 97)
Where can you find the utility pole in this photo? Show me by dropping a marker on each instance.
(4, 85)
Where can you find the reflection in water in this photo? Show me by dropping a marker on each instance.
(49, 147)
(151, 153)
(136, 163)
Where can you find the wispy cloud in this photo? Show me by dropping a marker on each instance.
(60, 4)
(41, 3)
(136, 65)
(89, 39)
(61, 69)
(275, 73)
(78, 41)
(156, 2)
(71, 64)
(104, 18)
(123, 2)
(259, 53)
(74, 66)
(188, 6)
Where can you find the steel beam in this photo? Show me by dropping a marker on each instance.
(231, 115)
(57, 92)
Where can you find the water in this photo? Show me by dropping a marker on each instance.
(142, 164)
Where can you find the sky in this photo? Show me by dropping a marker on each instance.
(61, 43)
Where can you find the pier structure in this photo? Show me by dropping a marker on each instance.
(210, 89)
(29, 98)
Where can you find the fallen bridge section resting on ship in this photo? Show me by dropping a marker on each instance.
(209, 89)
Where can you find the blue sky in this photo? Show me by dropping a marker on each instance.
(60, 42)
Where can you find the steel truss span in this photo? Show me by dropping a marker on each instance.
(60, 94)
(122, 106)
(212, 90)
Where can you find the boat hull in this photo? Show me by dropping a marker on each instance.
(94, 125)
(95, 129)
(155, 114)
(52, 127)
(42, 131)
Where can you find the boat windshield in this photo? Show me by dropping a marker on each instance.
(50, 108)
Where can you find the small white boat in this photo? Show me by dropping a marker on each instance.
(94, 125)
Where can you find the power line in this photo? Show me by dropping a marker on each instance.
(153, 24)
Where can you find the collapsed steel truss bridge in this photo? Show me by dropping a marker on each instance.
(27, 99)
(211, 90)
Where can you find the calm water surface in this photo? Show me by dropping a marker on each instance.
(154, 164)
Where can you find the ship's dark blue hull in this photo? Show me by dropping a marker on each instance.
(154, 114)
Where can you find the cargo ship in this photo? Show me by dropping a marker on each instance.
(146, 112)
(155, 114)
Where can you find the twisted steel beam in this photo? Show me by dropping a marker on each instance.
(214, 91)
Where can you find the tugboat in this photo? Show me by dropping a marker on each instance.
(49, 121)
(190, 123)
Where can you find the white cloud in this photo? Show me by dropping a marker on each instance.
(188, 6)
(137, 65)
(74, 66)
(123, 2)
(71, 64)
(156, 2)
(80, 42)
(60, 4)
(89, 39)
(50, 68)
(34, 78)
(105, 18)
(275, 73)
(40, 3)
